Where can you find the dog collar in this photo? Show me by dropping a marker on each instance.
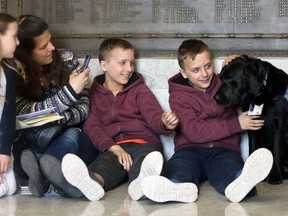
(261, 90)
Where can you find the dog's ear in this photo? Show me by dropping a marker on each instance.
(256, 75)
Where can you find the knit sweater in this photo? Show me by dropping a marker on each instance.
(72, 106)
(203, 122)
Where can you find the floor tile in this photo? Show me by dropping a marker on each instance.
(271, 200)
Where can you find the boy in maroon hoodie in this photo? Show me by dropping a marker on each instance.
(207, 143)
(124, 123)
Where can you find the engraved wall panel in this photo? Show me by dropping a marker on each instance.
(161, 25)
(162, 16)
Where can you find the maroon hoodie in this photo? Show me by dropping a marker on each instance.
(203, 122)
(133, 113)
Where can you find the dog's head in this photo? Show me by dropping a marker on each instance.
(241, 80)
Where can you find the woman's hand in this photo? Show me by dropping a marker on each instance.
(79, 81)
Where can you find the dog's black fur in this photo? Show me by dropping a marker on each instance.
(246, 80)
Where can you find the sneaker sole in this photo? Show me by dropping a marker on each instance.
(151, 165)
(31, 167)
(256, 169)
(51, 168)
(76, 173)
(161, 189)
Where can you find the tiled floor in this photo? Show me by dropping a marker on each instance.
(271, 200)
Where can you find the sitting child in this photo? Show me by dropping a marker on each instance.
(124, 123)
(207, 143)
(9, 70)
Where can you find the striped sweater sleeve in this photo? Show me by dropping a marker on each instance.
(74, 107)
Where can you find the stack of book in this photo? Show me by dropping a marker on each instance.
(38, 118)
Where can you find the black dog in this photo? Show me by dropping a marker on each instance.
(245, 81)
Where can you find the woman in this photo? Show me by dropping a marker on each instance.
(8, 75)
(50, 82)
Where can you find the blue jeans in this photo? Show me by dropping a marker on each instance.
(73, 141)
(219, 165)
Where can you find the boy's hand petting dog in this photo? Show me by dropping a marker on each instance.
(123, 157)
(229, 59)
(250, 122)
(170, 120)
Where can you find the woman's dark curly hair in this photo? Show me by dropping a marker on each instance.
(57, 72)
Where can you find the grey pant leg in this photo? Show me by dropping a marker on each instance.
(112, 171)
(138, 152)
(107, 166)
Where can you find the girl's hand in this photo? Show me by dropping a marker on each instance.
(4, 164)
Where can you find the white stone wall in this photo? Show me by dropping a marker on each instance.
(157, 72)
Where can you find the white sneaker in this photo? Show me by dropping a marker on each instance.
(10, 181)
(3, 186)
(77, 174)
(256, 169)
(151, 165)
(161, 189)
(3, 189)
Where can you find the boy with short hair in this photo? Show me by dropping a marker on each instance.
(207, 143)
(124, 123)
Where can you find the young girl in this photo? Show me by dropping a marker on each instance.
(8, 74)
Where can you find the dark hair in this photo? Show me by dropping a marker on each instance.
(110, 44)
(189, 49)
(57, 73)
(30, 27)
